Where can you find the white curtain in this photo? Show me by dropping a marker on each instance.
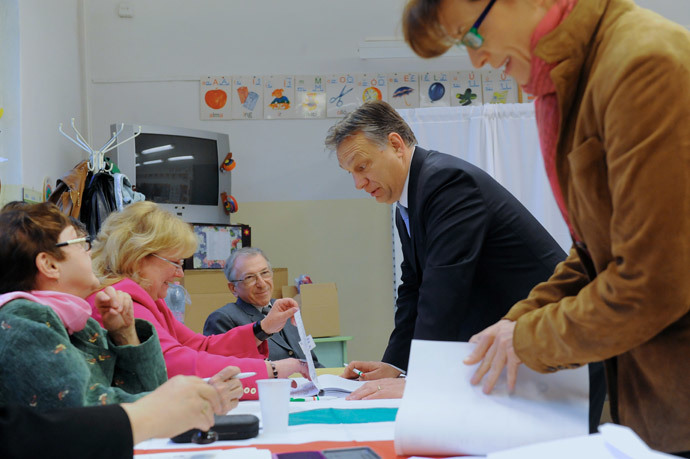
(502, 140)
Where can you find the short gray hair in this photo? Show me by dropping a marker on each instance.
(230, 263)
(375, 120)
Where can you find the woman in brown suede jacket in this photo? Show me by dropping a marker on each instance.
(612, 82)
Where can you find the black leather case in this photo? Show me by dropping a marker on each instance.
(228, 427)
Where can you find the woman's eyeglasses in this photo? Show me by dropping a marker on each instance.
(472, 38)
(85, 243)
(176, 264)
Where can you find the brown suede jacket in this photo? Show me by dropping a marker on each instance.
(623, 162)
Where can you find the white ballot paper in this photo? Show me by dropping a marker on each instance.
(442, 414)
(327, 384)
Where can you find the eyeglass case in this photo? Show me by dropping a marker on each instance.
(227, 427)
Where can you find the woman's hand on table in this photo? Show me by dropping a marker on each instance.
(287, 367)
(180, 404)
(229, 389)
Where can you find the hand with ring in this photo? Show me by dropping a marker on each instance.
(381, 388)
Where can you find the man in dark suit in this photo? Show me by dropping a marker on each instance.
(470, 249)
(250, 279)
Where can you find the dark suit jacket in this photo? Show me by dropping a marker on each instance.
(282, 345)
(474, 251)
(94, 431)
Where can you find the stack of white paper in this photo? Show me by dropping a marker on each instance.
(328, 385)
(613, 442)
(443, 414)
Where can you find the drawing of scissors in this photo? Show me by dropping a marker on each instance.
(339, 99)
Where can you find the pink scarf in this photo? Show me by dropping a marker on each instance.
(546, 103)
(72, 310)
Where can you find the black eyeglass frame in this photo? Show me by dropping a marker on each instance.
(85, 239)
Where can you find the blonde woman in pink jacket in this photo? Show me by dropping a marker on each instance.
(140, 251)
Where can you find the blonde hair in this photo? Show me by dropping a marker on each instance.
(139, 230)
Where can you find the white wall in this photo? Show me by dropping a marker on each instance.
(10, 139)
(175, 43)
(51, 87)
(676, 10)
(303, 208)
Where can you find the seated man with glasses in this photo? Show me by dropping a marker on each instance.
(250, 279)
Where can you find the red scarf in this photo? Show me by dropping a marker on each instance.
(546, 102)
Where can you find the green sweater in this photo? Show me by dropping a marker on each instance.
(42, 366)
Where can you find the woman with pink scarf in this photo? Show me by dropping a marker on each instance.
(612, 88)
(55, 356)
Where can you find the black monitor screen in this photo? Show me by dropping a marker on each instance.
(173, 169)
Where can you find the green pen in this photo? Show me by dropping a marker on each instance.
(307, 399)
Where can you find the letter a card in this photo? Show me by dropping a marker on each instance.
(214, 102)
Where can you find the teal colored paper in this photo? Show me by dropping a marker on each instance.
(342, 416)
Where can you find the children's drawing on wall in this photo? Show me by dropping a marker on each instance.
(214, 98)
(403, 90)
(465, 88)
(340, 95)
(247, 95)
(499, 88)
(371, 94)
(279, 102)
(433, 90)
(216, 243)
(279, 91)
(310, 96)
(373, 86)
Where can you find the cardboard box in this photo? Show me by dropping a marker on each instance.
(280, 279)
(208, 290)
(214, 281)
(205, 281)
(319, 308)
(203, 304)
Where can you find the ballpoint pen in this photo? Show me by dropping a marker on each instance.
(247, 374)
(313, 398)
(358, 372)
